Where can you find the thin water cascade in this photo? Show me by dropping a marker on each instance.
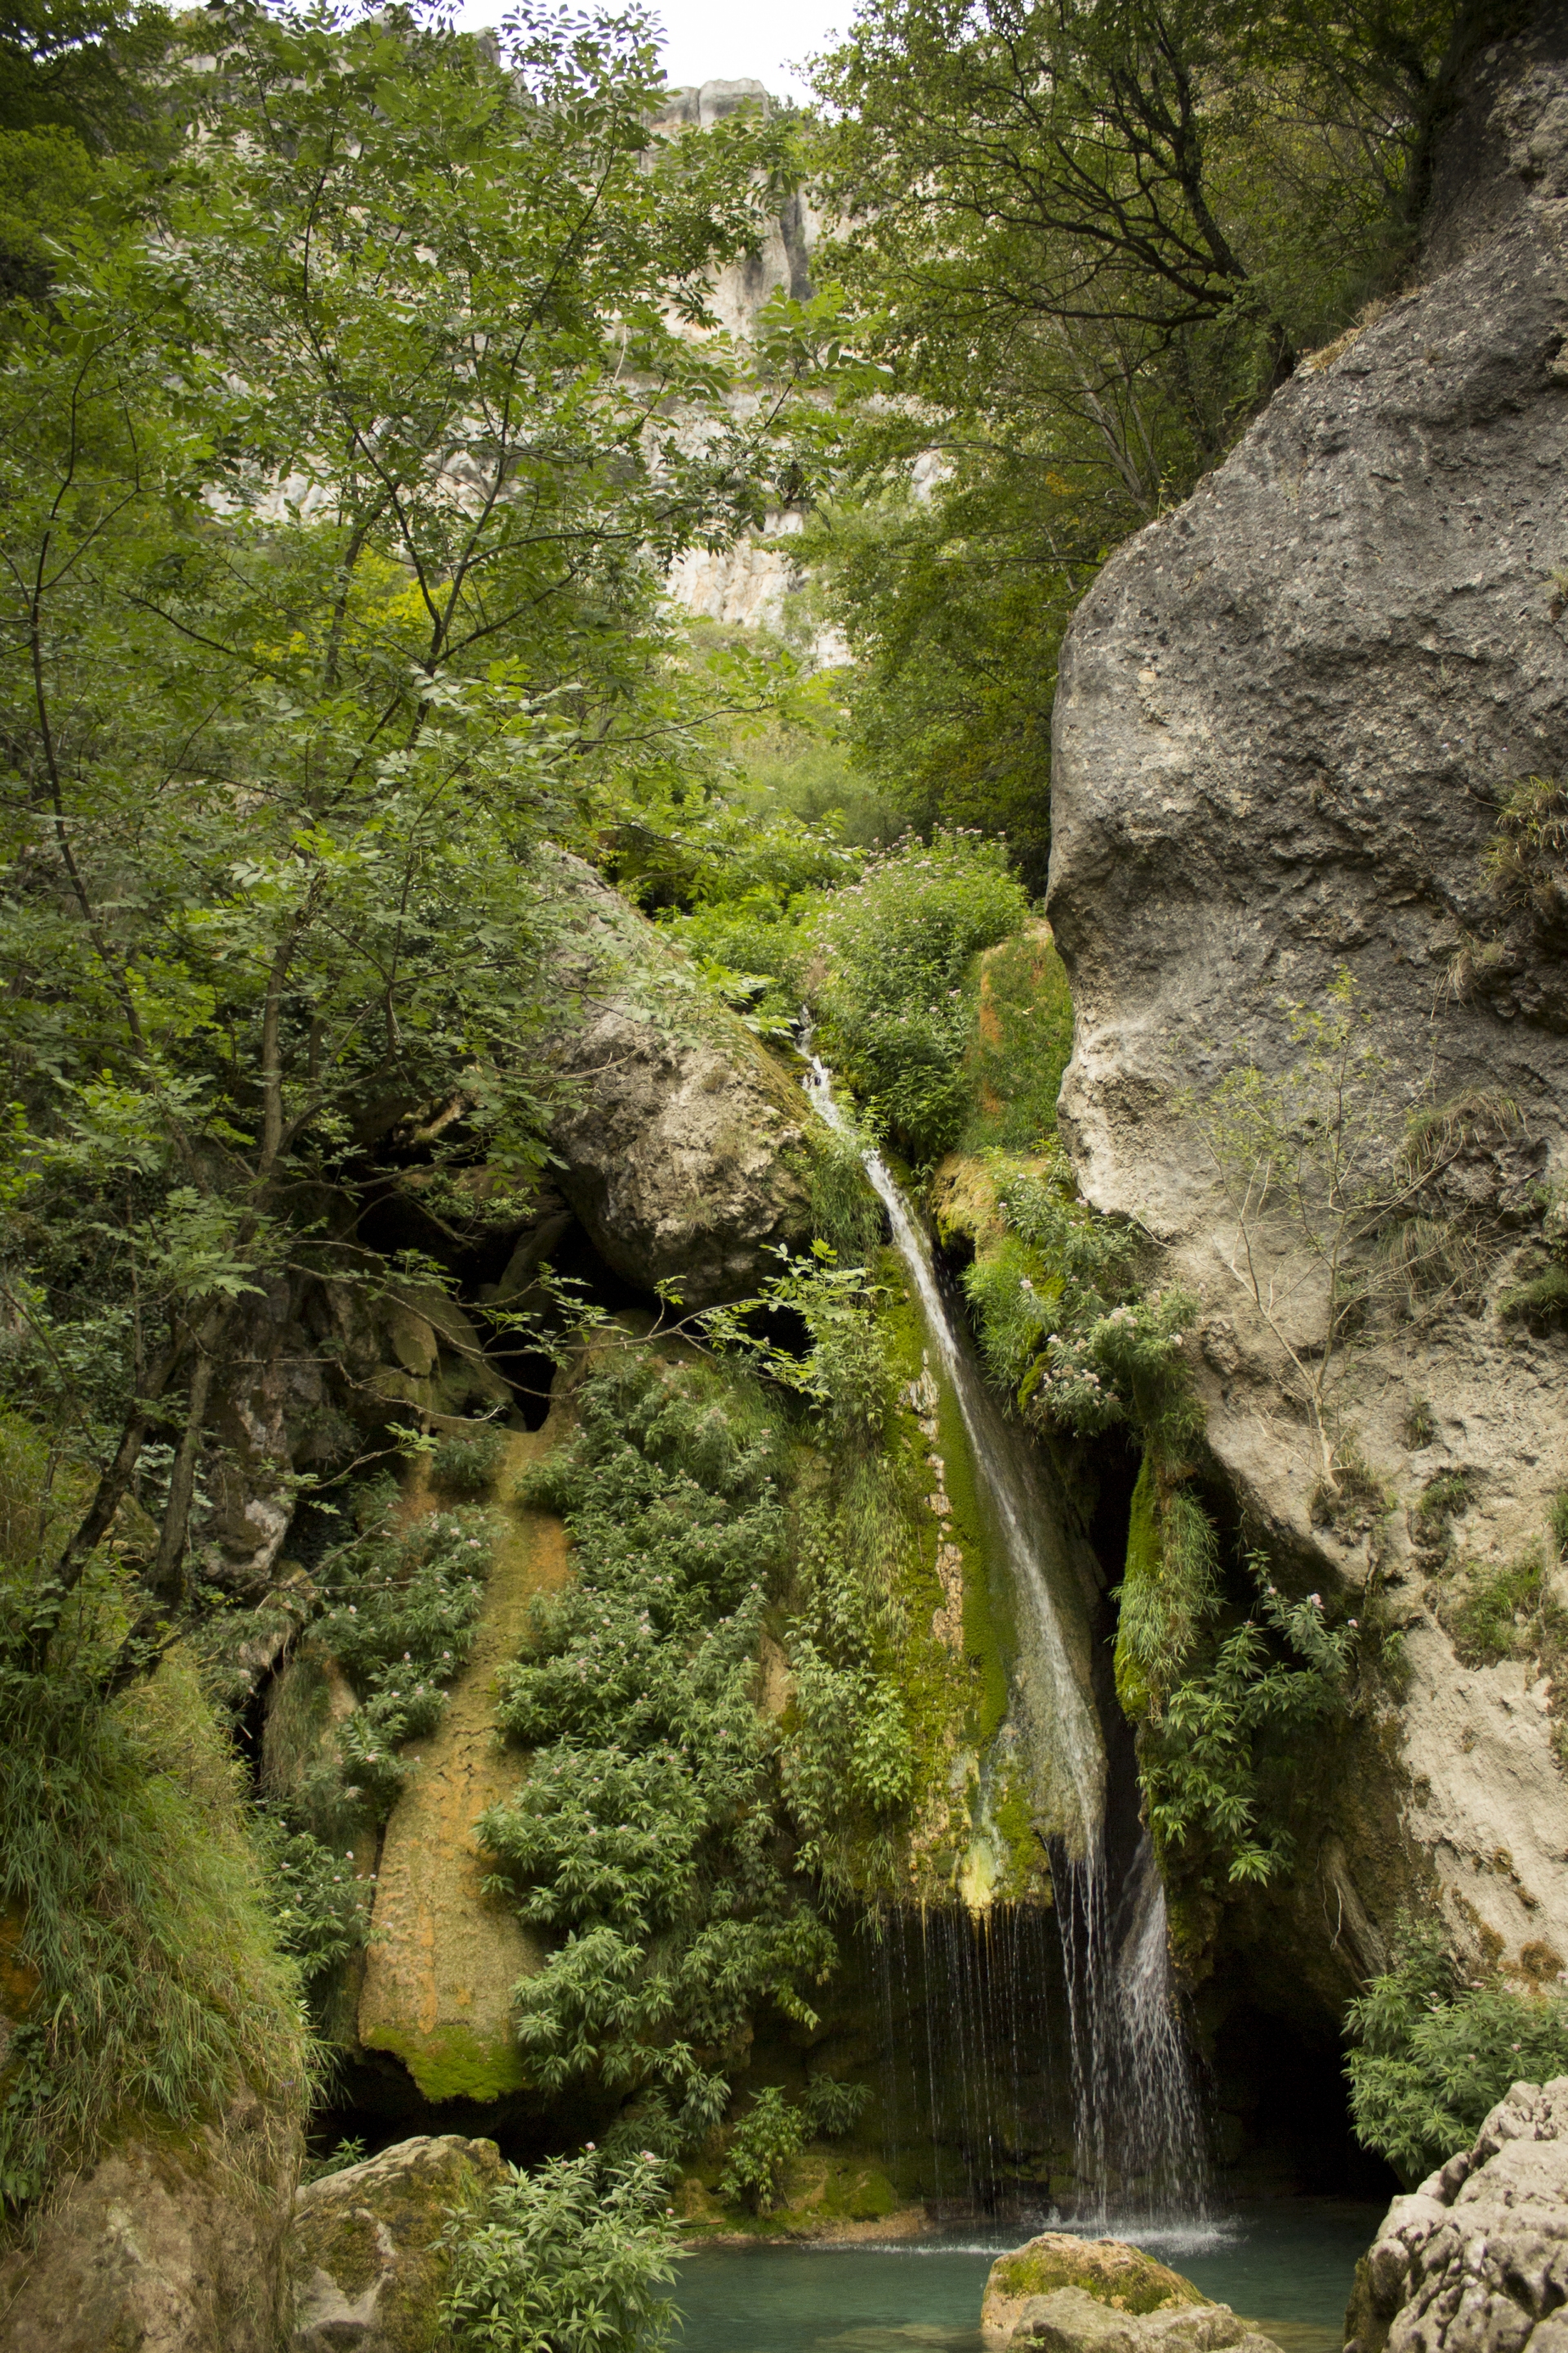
(1137, 2114)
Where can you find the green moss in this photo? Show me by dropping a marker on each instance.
(989, 1634)
(1120, 2276)
(859, 2193)
(454, 2064)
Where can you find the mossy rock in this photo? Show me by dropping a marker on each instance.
(367, 2256)
(1114, 2273)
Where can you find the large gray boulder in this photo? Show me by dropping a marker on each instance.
(367, 2258)
(1476, 2260)
(1287, 716)
(683, 1145)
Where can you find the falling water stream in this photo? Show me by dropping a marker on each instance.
(1138, 2115)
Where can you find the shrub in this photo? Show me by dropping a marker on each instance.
(899, 999)
(401, 1605)
(1064, 1323)
(1434, 2055)
(568, 2259)
(763, 2147)
(1222, 1763)
(466, 1463)
(320, 1908)
(833, 2109)
(646, 1836)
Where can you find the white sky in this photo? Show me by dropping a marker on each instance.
(712, 40)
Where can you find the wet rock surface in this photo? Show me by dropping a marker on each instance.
(368, 2267)
(1476, 2260)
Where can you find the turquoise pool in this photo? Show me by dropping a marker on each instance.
(1286, 2266)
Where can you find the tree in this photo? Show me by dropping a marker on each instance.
(1085, 240)
(331, 522)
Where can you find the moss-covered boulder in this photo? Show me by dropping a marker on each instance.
(1070, 2321)
(1120, 2277)
(367, 2260)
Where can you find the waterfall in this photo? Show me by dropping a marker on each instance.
(1138, 2116)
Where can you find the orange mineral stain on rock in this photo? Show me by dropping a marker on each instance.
(444, 1955)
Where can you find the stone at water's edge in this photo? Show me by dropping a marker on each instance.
(367, 2264)
(1476, 2260)
(1069, 2321)
(1121, 2279)
(443, 1956)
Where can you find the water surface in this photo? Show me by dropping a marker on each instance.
(1286, 2266)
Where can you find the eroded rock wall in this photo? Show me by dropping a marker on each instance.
(1287, 715)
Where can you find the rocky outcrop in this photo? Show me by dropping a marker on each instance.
(167, 2244)
(1476, 2260)
(367, 2258)
(1121, 2280)
(1290, 716)
(683, 1145)
(443, 1956)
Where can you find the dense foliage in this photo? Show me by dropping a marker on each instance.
(568, 2259)
(647, 1837)
(337, 476)
(1435, 2053)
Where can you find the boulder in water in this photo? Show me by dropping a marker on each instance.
(1477, 2256)
(1121, 2280)
(1070, 2321)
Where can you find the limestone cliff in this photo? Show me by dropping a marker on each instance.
(1293, 714)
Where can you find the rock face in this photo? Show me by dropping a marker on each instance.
(157, 2248)
(369, 2270)
(1287, 715)
(1122, 2281)
(443, 1956)
(1477, 2259)
(684, 1145)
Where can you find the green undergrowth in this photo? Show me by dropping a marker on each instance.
(144, 1983)
(648, 1842)
(1020, 1044)
(764, 2143)
(1234, 1686)
(739, 1714)
(1435, 2051)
